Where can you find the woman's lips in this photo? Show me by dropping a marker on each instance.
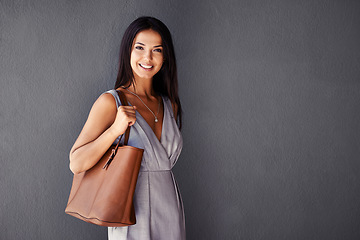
(146, 67)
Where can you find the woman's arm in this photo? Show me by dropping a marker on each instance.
(103, 126)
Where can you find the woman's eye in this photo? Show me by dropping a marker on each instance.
(158, 50)
(139, 47)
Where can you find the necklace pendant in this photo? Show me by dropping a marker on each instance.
(156, 120)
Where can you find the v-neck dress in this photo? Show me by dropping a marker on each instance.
(157, 200)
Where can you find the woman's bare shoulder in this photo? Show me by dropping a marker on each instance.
(106, 100)
(104, 108)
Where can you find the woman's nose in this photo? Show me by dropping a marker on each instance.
(148, 55)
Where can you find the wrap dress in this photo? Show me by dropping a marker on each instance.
(157, 200)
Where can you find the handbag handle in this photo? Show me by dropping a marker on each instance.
(124, 102)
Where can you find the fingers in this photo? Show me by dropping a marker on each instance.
(127, 108)
(130, 112)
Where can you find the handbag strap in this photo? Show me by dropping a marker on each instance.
(124, 102)
(127, 132)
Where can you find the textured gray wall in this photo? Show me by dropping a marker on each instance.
(271, 98)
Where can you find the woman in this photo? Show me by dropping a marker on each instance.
(148, 77)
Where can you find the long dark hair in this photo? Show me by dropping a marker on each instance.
(165, 82)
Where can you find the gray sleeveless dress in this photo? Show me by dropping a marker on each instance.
(157, 200)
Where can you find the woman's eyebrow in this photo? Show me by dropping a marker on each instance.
(144, 44)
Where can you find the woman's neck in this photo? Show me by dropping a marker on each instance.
(143, 88)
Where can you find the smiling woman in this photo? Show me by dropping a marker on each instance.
(148, 78)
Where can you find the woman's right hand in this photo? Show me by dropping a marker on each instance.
(125, 116)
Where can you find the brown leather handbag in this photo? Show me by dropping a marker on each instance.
(103, 195)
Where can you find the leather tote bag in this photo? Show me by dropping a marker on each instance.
(103, 195)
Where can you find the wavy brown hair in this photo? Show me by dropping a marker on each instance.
(165, 82)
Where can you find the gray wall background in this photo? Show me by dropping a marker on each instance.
(270, 91)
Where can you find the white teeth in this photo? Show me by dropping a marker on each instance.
(147, 67)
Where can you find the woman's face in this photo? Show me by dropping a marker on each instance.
(146, 56)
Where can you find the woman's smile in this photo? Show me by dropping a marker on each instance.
(146, 67)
